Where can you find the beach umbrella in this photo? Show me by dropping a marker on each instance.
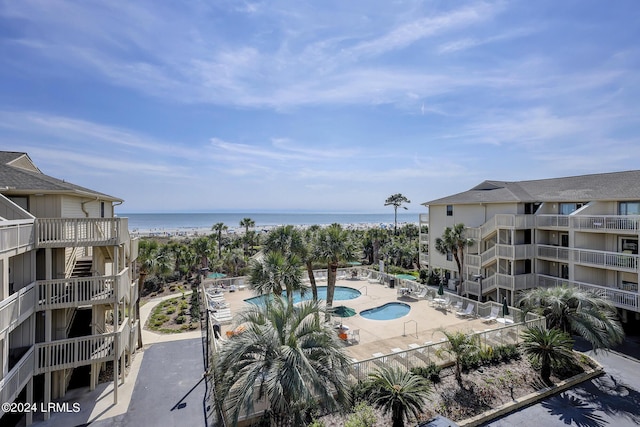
(441, 289)
(342, 311)
(505, 307)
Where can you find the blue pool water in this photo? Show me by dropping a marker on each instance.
(389, 311)
(341, 293)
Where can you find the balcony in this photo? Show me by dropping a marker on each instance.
(595, 223)
(16, 236)
(74, 352)
(554, 253)
(17, 378)
(17, 308)
(610, 260)
(619, 298)
(70, 232)
(508, 221)
(601, 259)
(76, 291)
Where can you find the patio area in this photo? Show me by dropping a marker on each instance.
(410, 339)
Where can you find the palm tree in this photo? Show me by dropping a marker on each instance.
(333, 246)
(246, 223)
(548, 347)
(219, 228)
(289, 357)
(147, 250)
(398, 391)
(396, 200)
(307, 254)
(573, 310)
(285, 239)
(460, 346)
(202, 247)
(276, 273)
(377, 236)
(454, 242)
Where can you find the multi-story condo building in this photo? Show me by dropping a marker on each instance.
(66, 290)
(580, 230)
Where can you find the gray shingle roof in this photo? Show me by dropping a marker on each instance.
(19, 180)
(602, 186)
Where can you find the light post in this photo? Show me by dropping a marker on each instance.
(478, 278)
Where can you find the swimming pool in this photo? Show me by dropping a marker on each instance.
(389, 311)
(341, 293)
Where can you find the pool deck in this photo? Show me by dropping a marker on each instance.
(381, 336)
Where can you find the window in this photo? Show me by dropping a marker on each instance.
(449, 210)
(21, 201)
(629, 208)
(449, 256)
(569, 208)
(629, 246)
(101, 209)
(531, 208)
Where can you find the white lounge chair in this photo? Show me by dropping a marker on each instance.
(216, 305)
(492, 316)
(457, 306)
(422, 294)
(222, 317)
(467, 311)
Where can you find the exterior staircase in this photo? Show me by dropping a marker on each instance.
(82, 267)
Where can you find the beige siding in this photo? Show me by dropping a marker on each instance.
(46, 206)
(72, 207)
(21, 335)
(20, 268)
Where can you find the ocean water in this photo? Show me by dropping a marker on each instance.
(201, 222)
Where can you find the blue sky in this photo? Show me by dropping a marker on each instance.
(326, 105)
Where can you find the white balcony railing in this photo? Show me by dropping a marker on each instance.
(74, 352)
(17, 307)
(552, 221)
(619, 298)
(624, 223)
(17, 378)
(556, 253)
(16, 235)
(74, 291)
(63, 232)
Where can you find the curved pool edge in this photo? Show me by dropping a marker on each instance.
(387, 310)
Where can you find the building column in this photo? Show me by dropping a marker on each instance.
(47, 333)
(30, 401)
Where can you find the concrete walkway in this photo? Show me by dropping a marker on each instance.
(97, 405)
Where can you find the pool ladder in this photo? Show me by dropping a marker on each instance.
(404, 331)
(365, 289)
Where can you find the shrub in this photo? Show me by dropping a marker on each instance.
(180, 320)
(470, 361)
(363, 416)
(171, 310)
(317, 423)
(430, 372)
